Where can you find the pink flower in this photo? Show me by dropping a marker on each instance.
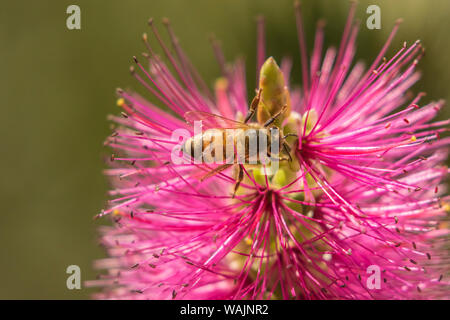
(358, 212)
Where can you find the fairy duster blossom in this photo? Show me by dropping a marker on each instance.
(358, 212)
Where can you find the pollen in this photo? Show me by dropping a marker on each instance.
(120, 102)
(413, 138)
(446, 207)
(221, 84)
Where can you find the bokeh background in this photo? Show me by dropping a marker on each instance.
(57, 87)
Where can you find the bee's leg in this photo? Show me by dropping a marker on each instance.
(273, 158)
(290, 135)
(275, 116)
(253, 106)
(239, 179)
(216, 171)
(287, 149)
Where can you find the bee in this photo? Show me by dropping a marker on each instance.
(217, 128)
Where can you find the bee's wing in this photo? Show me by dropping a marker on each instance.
(210, 121)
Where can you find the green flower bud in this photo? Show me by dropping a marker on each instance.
(274, 95)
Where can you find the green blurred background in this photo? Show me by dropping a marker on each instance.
(57, 87)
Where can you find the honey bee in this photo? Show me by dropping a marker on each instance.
(203, 144)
